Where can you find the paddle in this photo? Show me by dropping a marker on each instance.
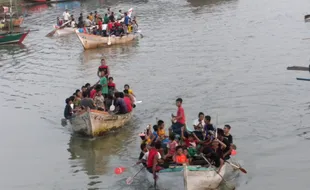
(299, 68)
(226, 183)
(130, 179)
(237, 167)
(53, 32)
(109, 40)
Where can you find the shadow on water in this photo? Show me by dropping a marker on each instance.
(115, 50)
(199, 3)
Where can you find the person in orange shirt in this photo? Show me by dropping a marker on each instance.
(180, 157)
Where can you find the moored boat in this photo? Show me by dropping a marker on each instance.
(90, 41)
(96, 123)
(16, 37)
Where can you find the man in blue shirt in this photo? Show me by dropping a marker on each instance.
(127, 19)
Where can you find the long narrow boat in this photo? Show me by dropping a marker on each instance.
(96, 123)
(90, 41)
(16, 37)
(64, 31)
(188, 178)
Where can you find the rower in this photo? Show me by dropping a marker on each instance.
(153, 159)
(68, 109)
(224, 149)
(213, 157)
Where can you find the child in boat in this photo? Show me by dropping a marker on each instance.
(111, 85)
(126, 87)
(154, 134)
(227, 135)
(161, 130)
(172, 144)
(144, 150)
(190, 141)
(180, 158)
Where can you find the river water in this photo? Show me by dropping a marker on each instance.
(223, 57)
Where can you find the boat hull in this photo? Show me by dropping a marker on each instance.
(96, 123)
(90, 41)
(188, 178)
(13, 38)
(64, 31)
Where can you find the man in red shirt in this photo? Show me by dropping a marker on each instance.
(103, 67)
(100, 26)
(127, 102)
(179, 120)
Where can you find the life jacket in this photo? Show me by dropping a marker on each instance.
(152, 153)
(180, 159)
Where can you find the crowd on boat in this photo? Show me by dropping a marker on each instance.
(100, 96)
(110, 24)
(185, 146)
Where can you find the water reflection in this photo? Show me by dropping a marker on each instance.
(113, 51)
(199, 3)
(95, 154)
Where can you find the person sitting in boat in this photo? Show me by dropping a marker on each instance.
(153, 159)
(208, 127)
(111, 85)
(73, 23)
(179, 119)
(104, 30)
(88, 22)
(224, 148)
(120, 105)
(68, 112)
(108, 101)
(190, 141)
(161, 130)
(172, 144)
(130, 91)
(227, 135)
(78, 98)
(198, 125)
(180, 158)
(127, 102)
(103, 67)
(154, 136)
(132, 99)
(100, 27)
(215, 160)
(130, 27)
(59, 22)
(144, 150)
(93, 91)
(99, 100)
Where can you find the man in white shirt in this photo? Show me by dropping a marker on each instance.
(199, 123)
(66, 15)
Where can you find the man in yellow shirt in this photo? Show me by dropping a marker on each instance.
(91, 17)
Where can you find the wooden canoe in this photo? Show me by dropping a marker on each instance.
(90, 41)
(188, 178)
(64, 31)
(96, 123)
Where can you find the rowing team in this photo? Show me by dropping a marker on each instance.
(100, 96)
(159, 151)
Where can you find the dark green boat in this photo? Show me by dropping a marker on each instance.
(14, 37)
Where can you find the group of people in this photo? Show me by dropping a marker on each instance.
(100, 96)
(185, 146)
(118, 24)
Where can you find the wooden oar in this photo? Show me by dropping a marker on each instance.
(109, 40)
(226, 183)
(237, 167)
(53, 32)
(130, 179)
(299, 68)
(112, 107)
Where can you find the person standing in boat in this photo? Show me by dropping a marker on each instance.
(88, 22)
(104, 84)
(126, 20)
(111, 17)
(227, 135)
(106, 19)
(103, 67)
(91, 16)
(59, 21)
(109, 11)
(119, 15)
(66, 16)
(179, 120)
(80, 21)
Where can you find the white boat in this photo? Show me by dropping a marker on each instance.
(64, 31)
(188, 178)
